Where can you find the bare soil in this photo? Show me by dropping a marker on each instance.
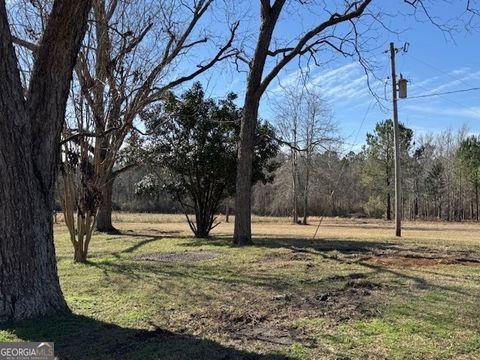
(418, 257)
(186, 256)
(358, 299)
(410, 261)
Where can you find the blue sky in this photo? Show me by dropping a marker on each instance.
(435, 62)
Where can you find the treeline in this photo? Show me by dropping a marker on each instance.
(440, 180)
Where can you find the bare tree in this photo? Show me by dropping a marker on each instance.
(80, 195)
(133, 54)
(319, 132)
(306, 126)
(289, 117)
(31, 122)
(308, 43)
(121, 75)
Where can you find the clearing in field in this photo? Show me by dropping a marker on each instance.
(154, 292)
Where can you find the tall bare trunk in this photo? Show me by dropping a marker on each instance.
(104, 217)
(257, 83)
(295, 183)
(305, 193)
(30, 128)
(243, 195)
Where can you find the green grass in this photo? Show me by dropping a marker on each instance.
(265, 301)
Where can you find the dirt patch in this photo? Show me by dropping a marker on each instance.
(266, 326)
(186, 256)
(396, 256)
(274, 324)
(286, 256)
(358, 299)
(415, 260)
(270, 333)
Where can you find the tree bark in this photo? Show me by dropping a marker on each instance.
(104, 217)
(256, 86)
(30, 128)
(243, 196)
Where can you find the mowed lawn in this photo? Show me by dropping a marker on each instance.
(353, 292)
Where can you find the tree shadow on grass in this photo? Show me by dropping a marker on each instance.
(440, 226)
(318, 244)
(324, 247)
(140, 244)
(80, 337)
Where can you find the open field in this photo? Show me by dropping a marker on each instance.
(355, 292)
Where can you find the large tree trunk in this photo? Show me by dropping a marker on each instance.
(30, 128)
(243, 196)
(29, 284)
(243, 192)
(104, 217)
(256, 86)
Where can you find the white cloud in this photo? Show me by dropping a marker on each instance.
(460, 71)
(458, 112)
(460, 81)
(323, 79)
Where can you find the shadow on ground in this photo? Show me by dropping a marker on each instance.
(80, 337)
(318, 244)
(362, 253)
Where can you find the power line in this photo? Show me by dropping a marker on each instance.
(439, 70)
(444, 93)
(454, 102)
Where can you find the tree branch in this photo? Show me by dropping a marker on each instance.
(334, 19)
(26, 44)
(221, 55)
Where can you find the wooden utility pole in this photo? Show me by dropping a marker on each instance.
(398, 194)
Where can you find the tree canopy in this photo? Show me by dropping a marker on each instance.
(377, 169)
(193, 145)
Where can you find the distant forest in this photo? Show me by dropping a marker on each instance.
(440, 180)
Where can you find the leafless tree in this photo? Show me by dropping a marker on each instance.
(327, 33)
(306, 125)
(31, 123)
(133, 54)
(80, 190)
(344, 27)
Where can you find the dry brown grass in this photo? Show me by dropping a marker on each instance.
(430, 232)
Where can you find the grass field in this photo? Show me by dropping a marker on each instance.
(354, 292)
